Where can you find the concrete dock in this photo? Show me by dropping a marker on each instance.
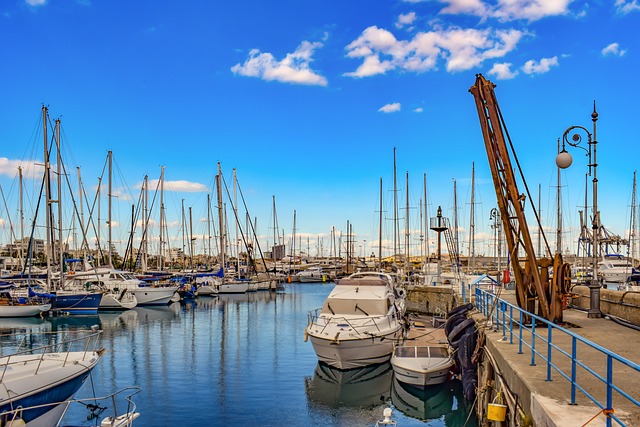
(547, 403)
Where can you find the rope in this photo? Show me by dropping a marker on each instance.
(606, 412)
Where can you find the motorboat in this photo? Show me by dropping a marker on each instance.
(313, 274)
(614, 269)
(424, 358)
(36, 376)
(359, 323)
(20, 306)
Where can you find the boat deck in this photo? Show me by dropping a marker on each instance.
(423, 332)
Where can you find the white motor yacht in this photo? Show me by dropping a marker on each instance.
(359, 323)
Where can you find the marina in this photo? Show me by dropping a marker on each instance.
(240, 359)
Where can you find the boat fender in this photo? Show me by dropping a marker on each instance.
(452, 322)
(460, 309)
(306, 335)
(454, 335)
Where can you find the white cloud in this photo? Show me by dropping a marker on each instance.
(405, 19)
(36, 2)
(531, 10)
(627, 6)
(390, 108)
(461, 49)
(613, 49)
(179, 185)
(418, 110)
(472, 7)
(30, 169)
(294, 68)
(502, 71)
(540, 67)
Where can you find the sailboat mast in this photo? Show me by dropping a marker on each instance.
(380, 231)
(221, 217)
(559, 205)
(161, 252)
(145, 225)
(395, 209)
(47, 172)
(455, 226)
(21, 218)
(191, 248)
(426, 219)
(110, 155)
(406, 227)
(632, 227)
(472, 225)
(59, 201)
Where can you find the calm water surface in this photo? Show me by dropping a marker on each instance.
(242, 360)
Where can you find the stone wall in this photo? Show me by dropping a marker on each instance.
(622, 304)
(432, 300)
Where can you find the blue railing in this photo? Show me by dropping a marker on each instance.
(513, 321)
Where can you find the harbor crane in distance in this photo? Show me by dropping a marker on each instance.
(532, 276)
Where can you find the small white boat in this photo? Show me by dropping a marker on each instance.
(20, 306)
(424, 359)
(312, 275)
(121, 300)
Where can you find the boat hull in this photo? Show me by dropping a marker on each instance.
(355, 353)
(154, 295)
(56, 381)
(421, 372)
(84, 303)
(23, 310)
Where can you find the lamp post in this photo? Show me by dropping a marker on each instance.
(564, 160)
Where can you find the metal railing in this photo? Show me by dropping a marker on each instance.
(537, 335)
(360, 325)
(85, 341)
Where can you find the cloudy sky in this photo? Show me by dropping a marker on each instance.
(307, 100)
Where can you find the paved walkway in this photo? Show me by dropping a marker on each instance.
(549, 401)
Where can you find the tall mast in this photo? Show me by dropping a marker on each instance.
(632, 226)
(81, 209)
(21, 218)
(145, 224)
(191, 248)
(426, 219)
(110, 155)
(472, 224)
(161, 252)
(47, 172)
(395, 209)
(380, 231)
(455, 226)
(100, 253)
(406, 228)
(208, 252)
(221, 217)
(59, 201)
(559, 205)
(235, 214)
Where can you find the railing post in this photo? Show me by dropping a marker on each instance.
(573, 370)
(520, 333)
(510, 324)
(609, 387)
(549, 345)
(533, 342)
(503, 308)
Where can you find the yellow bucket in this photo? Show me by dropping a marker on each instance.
(496, 412)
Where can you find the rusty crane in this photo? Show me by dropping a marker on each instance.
(532, 276)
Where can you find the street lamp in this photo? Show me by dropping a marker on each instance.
(564, 160)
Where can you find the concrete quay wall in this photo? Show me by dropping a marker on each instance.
(622, 304)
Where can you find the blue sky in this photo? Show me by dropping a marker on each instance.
(307, 100)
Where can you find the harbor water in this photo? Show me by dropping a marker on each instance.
(242, 360)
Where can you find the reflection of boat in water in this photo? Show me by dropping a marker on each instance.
(64, 322)
(365, 386)
(115, 319)
(443, 401)
(157, 313)
(24, 323)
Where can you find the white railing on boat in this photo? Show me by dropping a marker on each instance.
(360, 325)
(66, 342)
(125, 419)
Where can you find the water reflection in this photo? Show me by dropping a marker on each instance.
(353, 388)
(444, 402)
